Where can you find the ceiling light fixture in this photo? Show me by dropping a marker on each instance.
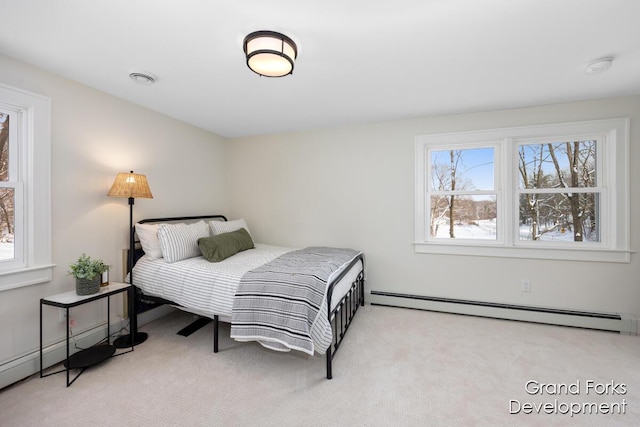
(599, 65)
(270, 54)
(143, 78)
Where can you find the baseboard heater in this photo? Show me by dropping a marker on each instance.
(617, 322)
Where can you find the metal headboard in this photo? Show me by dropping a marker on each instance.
(138, 252)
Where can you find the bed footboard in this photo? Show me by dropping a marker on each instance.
(342, 315)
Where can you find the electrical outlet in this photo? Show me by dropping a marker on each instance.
(526, 285)
(62, 313)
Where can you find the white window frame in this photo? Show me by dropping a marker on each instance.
(497, 147)
(31, 125)
(613, 186)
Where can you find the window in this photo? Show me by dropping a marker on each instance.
(558, 193)
(10, 190)
(551, 192)
(25, 175)
(462, 197)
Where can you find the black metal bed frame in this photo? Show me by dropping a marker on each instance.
(340, 317)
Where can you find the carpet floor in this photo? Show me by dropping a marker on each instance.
(397, 367)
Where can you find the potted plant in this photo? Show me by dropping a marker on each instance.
(88, 274)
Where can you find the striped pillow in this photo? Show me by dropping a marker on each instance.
(219, 227)
(180, 241)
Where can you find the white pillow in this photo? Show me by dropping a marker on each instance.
(148, 236)
(219, 227)
(180, 241)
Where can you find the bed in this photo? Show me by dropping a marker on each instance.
(284, 298)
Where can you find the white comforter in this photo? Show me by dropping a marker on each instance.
(198, 285)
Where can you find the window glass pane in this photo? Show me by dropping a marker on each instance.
(7, 223)
(463, 217)
(570, 164)
(468, 169)
(4, 146)
(567, 217)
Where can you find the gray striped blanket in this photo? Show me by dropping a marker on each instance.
(282, 304)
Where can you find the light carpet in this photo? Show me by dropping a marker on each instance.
(397, 367)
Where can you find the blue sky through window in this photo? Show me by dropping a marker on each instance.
(475, 167)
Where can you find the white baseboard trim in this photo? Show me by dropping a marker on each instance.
(28, 364)
(154, 314)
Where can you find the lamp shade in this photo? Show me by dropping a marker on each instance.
(270, 54)
(129, 184)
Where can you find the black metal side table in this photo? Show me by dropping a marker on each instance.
(92, 355)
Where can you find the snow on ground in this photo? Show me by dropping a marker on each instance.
(486, 229)
(6, 251)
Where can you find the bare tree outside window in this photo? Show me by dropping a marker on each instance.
(462, 198)
(558, 197)
(7, 194)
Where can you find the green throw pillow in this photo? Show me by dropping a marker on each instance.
(222, 246)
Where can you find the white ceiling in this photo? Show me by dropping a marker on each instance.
(359, 61)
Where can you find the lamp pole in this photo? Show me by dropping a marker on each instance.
(134, 337)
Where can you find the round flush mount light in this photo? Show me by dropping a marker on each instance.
(599, 65)
(143, 78)
(269, 53)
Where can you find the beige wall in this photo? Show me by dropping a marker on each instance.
(94, 136)
(353, 186)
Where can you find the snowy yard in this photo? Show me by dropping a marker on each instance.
(6, 251)
(486, 229)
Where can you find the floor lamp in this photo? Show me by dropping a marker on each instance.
(132, 186)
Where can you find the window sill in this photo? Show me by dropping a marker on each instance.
(26, 277)
(556, 254)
